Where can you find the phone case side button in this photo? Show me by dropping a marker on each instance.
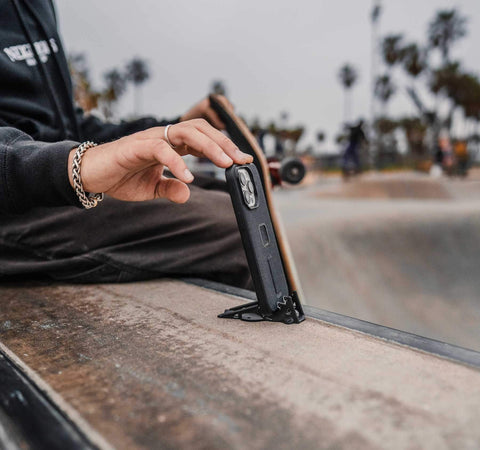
(264, 234)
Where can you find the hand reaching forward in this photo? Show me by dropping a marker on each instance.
(131, 168)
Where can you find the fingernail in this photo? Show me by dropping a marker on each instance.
(188, 175)
(244, 156)
(226, 159)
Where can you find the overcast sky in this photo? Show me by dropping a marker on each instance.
(273, 55)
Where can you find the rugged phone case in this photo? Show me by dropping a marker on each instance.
(258, 236)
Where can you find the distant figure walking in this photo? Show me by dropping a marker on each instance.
(351, 158)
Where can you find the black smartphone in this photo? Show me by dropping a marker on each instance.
(258, 236)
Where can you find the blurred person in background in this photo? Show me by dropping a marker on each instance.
(351, 156)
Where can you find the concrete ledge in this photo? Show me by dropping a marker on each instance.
(150, 365)
(415, 342)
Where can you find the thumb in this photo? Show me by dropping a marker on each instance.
(172, 189)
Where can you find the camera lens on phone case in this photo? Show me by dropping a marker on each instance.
(250, 187)
(249, 199)
(243, 178)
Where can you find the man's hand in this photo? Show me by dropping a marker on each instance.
(132, 167)
(202, 110)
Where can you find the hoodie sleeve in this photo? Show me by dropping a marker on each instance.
(94, 129)
(33, 173)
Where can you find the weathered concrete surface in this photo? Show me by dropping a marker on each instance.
(149, 365)
(405, 253)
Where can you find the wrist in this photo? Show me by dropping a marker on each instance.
(70, 165)
(85, 170)
(78, 175)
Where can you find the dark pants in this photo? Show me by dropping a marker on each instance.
(127, 241)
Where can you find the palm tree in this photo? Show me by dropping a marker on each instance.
(462, 88)
(467, 96)
(415, 131)
(445, 78)
(348, 76)
(375, 15)
(84, 93)
(376, 11)
(384, 90)
(321, 136)
(137, 71)
(375, 19)
(447, 27)
(471, 101)
(115, 87)
(414, 60)
(392, 49)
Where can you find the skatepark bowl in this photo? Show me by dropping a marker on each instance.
(401, 250)
(149, 365)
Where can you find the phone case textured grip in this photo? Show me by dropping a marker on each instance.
(274, 301)
(258, 239)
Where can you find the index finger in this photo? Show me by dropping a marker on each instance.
(225, 144)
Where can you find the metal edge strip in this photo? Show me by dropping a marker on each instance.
(434, 347)
(35, 415)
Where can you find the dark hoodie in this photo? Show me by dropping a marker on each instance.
(39, 124)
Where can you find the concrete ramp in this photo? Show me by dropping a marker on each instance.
(149, 365)
(402, 185)
(407, 263)
(395, 186)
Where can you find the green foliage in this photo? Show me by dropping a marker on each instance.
(384, 88)
(115, 83)
(445, 78)
(462, 88)
(321, 136)
(446, 28)
(85, 95)
(137, 71)
(392, 49)
(415, 132)
(452, 85)
(414, 59)
(412, 125)
(115, 86)
(385, 125)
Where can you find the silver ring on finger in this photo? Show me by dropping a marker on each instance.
(165, 133)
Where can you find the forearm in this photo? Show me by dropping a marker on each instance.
(33, 173)
(94, 129)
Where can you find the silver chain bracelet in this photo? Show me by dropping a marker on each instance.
(88, 200)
